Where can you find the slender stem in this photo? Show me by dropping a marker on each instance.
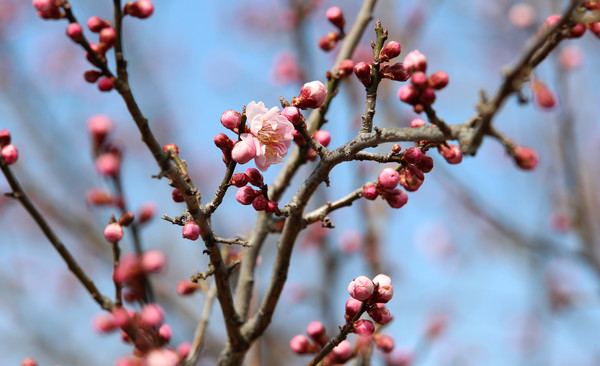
(199, 336)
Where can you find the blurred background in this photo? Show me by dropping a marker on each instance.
(505, 263)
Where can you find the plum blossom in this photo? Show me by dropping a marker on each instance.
(269, 138)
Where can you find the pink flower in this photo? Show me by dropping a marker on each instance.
(270, 137)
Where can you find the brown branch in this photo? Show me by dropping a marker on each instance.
(198, 341)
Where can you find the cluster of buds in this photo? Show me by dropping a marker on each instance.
(247, 195)
(49, 9)
(107, 155)
(223, 142)
(9, 152)
(330, 40)
(107, 37)
(145, 330)
(421, 91)
(132, 268)
(316, 340)
(396, 71)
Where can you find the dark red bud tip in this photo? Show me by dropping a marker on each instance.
(126, 218)
(171, 148)
(91, 76)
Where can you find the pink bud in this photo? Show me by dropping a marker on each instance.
(417, 122)
(47, 9)
(361, 288)
(191, 230)
(172, 148)
(245, 195)
(153, 261)
(103, 323)
(389, 51)
(152, 315)
(29, 362)
(222, 141)
(127, 269)
(396, 198)
(260, 203)
(231, 119)
(427, 96)
(162, 357)
(126, 218)
(121, 317)
(4, 138)
(146, 212)
(411, 178)
(384, 290)
(570, 57)
(380, 315)
(108, 164)
(316, 331)
(362, 70)
(300, 344)
(75, 32)
(415, 61)
(97, 196)
(10, 154)
(140, 9)
(525, 157)
(243, 151)
(395, 72)
(91, 76)
(384, 343)
(106, 84)
(186, 287)
(451, 153)
(239, 180)
(577, 31)
(370, 192)
(272, 207)
(419, 79)
(336, 17)
(388, 178)
(293, 115)
(438, 80)
(595, 28)
(364, 328)
(426, 164)
(544, 98)
(96, 24)
(312, 95)
(522, 15)
(408, 94)
(177, 195)
(352, 308)
(342, 352)
(113, 232)
(346, 67)
(99, 126)
(108, 36)
(323, 137)
(254, 177)
(329, 41)
(164, 332)
(412, 155)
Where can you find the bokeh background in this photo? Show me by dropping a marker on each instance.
(507, 260)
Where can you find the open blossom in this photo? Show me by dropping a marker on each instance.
(269, 139)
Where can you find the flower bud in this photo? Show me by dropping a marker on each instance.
(415, 61)
(451, 153)
(312, 95)
(336, 17)
(127, 269)
(10, 154)
(595, 28)
(4, 138)
(577, 31)
(370, 192)
(184, 349)
(122, 317)
(525, 157)
(108, 164)
(140, 9)
(362, 70)
(272, 207)
(91, 76)
(29, 362)
(426, 164)
(231, 119)
(419, 79)
(389, 51)
(222, 141)
(243, 151)
(395, 72)
(544, 98)
(164, 332)
(570, 57)
(352, 308)
(147, 212)
(438, 80)
(254, 177)
(323, 137)
(260, 203)
(384, 290)
(113, 232)
(96, 24)
(97, 196)
(412, 155)
(47, 9)
(153, 261)
(106, 84)
(245, 195)
(427, 96)
(99, 126)
(293, 115)
(361, 288)
(186, 287)
(408, 94)
(329, 41)
(316, 331)
(171, 149)
(103, 323)
(126, 218)
(363, 327)
(239, 180)
(342, 352)
(396, 149)
(191, 230)
(380, 315)
(75, 32)
(152, 315)
(108, 36)
(388, 178)
(384, 343)
(300, 344)
(417, 122)
(177, 195)
(346, 67)
(396, 198)
(522, 15)
(411, 178)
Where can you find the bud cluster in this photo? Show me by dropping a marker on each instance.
(330, 40)
(421, 91)
(246, 195)
(9, 152)
(316, 340)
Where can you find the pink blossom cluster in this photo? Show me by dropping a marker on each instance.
(330, 40)
(131, 270)
(247, 195)
(316, 340)
(396, 71)
(421, 91)
(9, 152)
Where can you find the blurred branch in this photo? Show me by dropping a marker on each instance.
(198, 342)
